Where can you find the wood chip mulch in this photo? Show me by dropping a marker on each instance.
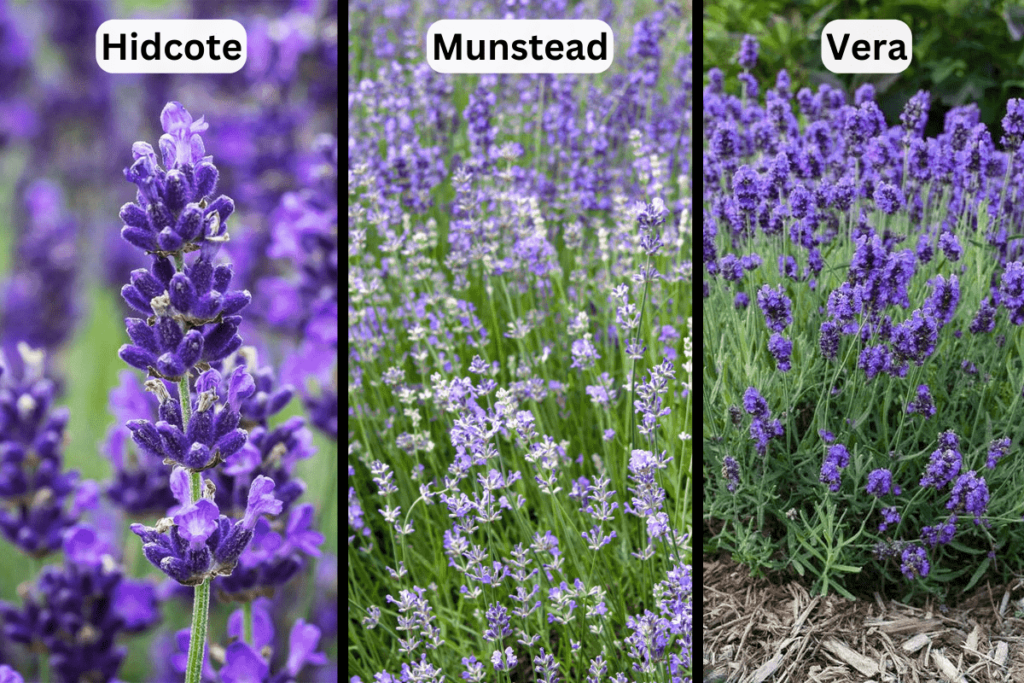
(756, 631)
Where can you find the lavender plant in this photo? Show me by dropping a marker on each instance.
(192, 324)
(519, 338)
(70, 610)
(860, 421)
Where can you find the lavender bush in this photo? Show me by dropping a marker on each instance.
(862, 368)
(197, 542)
(519, 338)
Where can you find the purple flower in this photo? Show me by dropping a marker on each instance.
(923, 404)
(200, 543)
(781, 348)
(503, 661)
(1013, 124)
(880, 483)
(755, 404)
(945, 296)
(829, 339)
(873, 360)
(747, 56)
(950, 246)
(776, 307)
(939, 534)
(970, 493)
(915, 113)
(985, 320)
(74, 613)
(584, 354)
(836, 459)
(1012, 291)
(197, 522)
(498, 623)
(943, 466)
(888, 198)
(890, 516)
(914, 562)
(34, 489)
(997, 450)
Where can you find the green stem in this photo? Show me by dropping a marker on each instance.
(247, 622)
(197, 642)
(201, 606)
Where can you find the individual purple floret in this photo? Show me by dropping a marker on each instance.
(200, 543)
(923, 404)
(969, 493)
(914, 562)
(996, 451)
(836, 459)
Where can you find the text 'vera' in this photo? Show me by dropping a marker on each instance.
(866, 46)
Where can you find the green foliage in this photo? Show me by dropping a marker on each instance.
(964, 51)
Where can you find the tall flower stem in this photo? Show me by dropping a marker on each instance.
(197, 642)
(201, 606)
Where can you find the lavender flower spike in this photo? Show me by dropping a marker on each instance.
(199, 543)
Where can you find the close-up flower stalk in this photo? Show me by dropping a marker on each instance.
(168, 380)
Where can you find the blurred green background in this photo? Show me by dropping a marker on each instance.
(964, 50)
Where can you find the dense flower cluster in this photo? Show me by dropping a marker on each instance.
(886, 267)
(520, 358)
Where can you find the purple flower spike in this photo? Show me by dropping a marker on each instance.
(747, 57)
(836, 460)
(776, 307)
(914, 562)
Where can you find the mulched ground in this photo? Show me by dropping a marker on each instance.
(757, 630)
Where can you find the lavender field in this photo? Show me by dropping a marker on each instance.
(520, 339)
(863, 378)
